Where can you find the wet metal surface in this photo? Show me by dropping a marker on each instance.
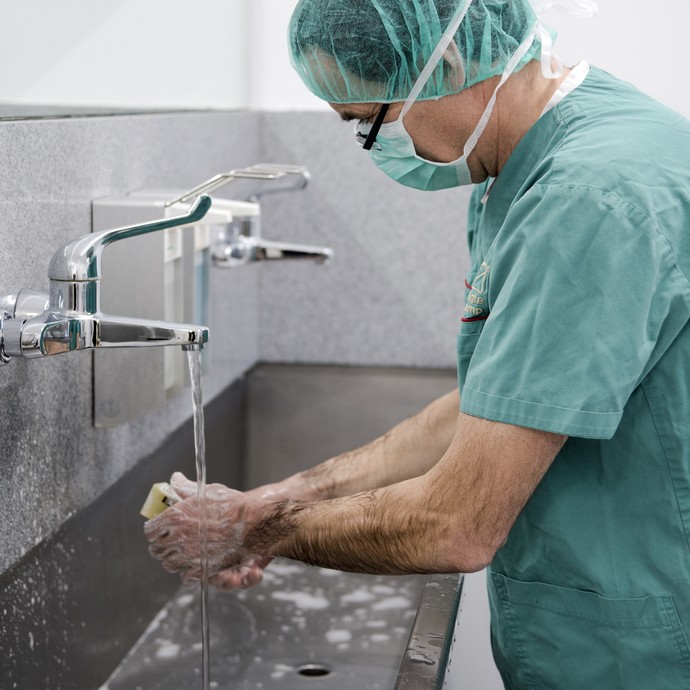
(301, 628)
(427, 654)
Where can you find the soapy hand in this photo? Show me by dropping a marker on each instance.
(174, 536)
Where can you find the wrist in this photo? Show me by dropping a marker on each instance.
(273, 523)
(301, 487)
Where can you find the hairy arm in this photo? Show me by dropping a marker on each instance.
(453, 518)
(408, 450)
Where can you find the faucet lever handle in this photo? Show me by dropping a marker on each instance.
(295, 178)
(81, 259)
(260, 171)
(196, 212)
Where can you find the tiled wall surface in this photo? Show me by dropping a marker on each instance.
(391, 297)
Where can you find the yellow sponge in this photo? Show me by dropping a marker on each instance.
(160, 497)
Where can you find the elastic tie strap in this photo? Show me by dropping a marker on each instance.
(444, 42)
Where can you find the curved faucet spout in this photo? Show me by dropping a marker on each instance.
(241, 250)
(53, 334)
(117, 331)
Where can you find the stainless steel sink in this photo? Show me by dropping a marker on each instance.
(62, 632)
(308, 627)
(301, 628)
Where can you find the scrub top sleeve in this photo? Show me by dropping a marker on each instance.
(584, 297)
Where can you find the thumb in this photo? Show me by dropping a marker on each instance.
(183, 486)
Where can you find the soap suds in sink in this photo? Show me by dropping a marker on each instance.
(303, 600)
(357, 596)
(335, 636)
(392, 603)
(167, 650)
(280, 670)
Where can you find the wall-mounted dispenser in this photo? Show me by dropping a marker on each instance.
(175, 280)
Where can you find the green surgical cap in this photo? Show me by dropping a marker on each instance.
(372, 51)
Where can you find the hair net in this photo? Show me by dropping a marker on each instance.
(366, 51)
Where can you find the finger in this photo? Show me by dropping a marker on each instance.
(158, 551)
(253, 577)
(169, 567)
(155, 529)
(232, 577)
(190, 577)
(238, 578)
(227, 580)
(183, 486)
(254, 570)
(171, 559)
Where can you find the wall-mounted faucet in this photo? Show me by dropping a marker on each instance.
(241, 241)
(69, 317)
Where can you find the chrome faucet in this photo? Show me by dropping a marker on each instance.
(34, 324)
(241, 242)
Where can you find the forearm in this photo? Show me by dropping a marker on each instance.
(408, 450)
(394, 530)
(451, 519)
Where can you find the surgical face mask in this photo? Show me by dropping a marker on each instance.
(394, 153)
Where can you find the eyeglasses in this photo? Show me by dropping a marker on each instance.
(366, 138)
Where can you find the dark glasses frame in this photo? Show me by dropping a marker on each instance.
(374, 131)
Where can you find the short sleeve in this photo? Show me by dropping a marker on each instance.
(584, 297)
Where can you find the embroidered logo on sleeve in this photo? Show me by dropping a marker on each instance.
(476, 306)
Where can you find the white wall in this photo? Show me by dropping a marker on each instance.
(144, 53)
(273, 84)
(149, 54)
(641, 42)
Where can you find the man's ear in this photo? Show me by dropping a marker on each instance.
(456, 74)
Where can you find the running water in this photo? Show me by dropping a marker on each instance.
(194, 359)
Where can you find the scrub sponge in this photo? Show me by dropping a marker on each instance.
(160, 497)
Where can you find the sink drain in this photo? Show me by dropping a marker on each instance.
(314, 670)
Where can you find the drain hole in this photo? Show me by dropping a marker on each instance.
(313, 670)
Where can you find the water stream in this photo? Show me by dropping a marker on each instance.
(194, 359)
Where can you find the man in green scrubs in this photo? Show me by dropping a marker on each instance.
(567, 470)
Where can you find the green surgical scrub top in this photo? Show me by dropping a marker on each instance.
(576, 322)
